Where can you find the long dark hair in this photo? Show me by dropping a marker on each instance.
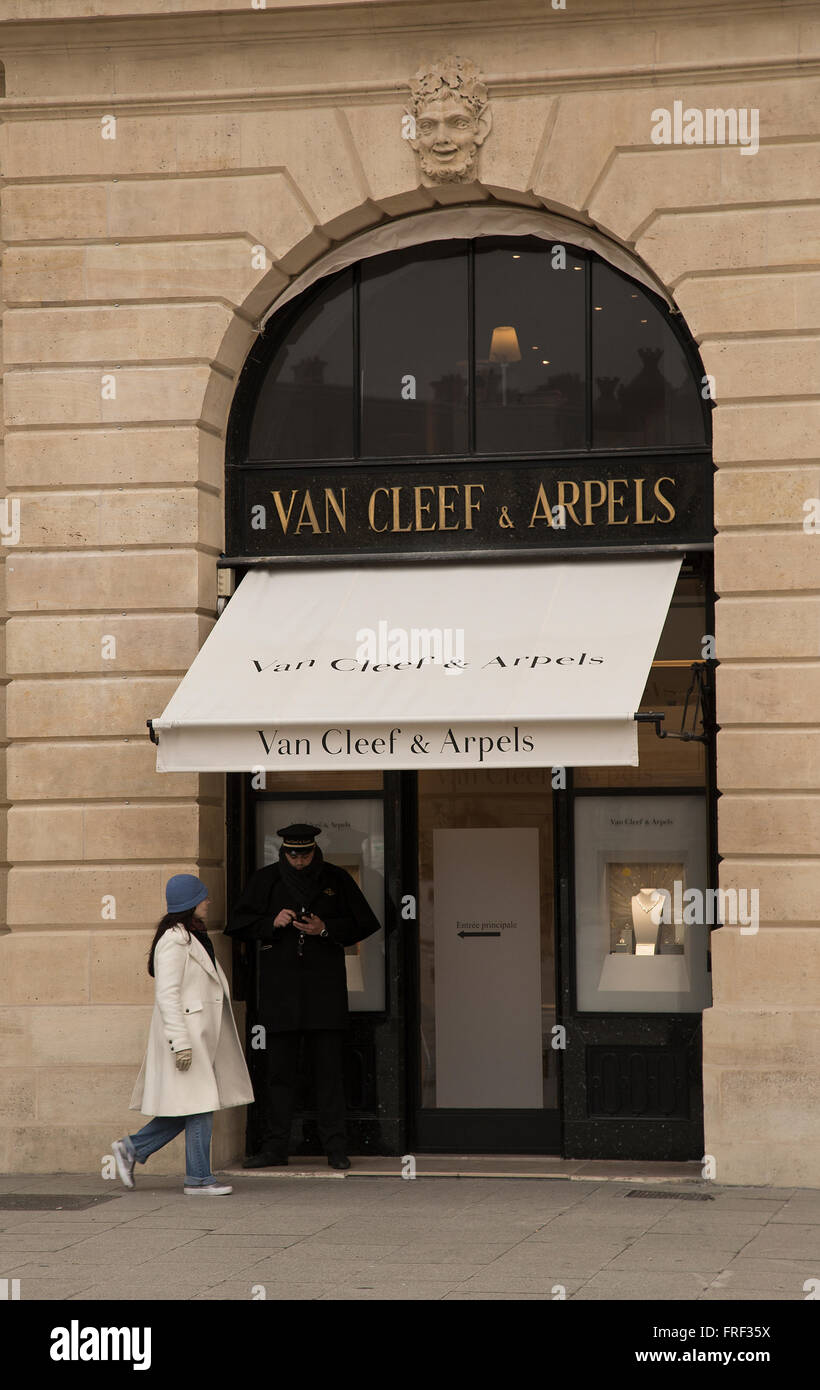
(171, 919)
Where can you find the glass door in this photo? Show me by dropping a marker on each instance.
(488, 1070)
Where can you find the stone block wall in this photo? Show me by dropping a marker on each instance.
(7, 541)
(136, 259)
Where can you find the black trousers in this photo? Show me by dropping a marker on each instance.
(279, 1069)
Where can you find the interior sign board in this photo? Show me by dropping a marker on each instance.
(487, 958)
(545, 505)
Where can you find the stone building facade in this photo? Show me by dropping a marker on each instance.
(168, 168)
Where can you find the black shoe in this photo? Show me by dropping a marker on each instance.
(338, 1159)
(267, 1158)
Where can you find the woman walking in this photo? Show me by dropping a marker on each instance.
(194, 1063)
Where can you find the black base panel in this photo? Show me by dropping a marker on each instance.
(633, 1139)
(488, 1132)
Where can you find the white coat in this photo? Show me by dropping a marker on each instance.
(192, 1009)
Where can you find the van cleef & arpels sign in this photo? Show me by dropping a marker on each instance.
(602, 502)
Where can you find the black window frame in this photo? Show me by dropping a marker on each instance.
(262, 352)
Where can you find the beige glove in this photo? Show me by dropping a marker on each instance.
(184, 1059)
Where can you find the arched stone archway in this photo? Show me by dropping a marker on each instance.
(137, 256)
(489, 219)
(319, 254)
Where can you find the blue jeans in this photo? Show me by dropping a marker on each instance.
(161, 1130)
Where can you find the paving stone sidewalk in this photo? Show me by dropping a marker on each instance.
(380, 1237)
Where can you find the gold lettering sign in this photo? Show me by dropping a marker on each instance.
(469, 505)
(412, 509)
(589, 505)
(371, 508)
(445, 506)
(423, 507)
(664, 500)
(612, 494)
(569, 507)
(402, 509)
(307, 515)
(613, 502)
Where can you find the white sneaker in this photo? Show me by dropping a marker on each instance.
(125, 1163)
(212, 1190)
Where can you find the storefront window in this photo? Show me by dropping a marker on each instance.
(486, 346)
(645, 395)
(305, 406)
(414, 367)
(529, 349)
(641, 904)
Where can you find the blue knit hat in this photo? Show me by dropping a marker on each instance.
(184, 891)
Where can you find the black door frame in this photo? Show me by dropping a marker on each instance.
(666, 1049)
(461, 1130)
(663, 1048)
(374, 1050)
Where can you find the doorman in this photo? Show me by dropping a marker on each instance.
(301, 913)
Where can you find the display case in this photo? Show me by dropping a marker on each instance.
(641, 945)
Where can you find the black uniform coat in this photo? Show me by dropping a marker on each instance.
(301, 980)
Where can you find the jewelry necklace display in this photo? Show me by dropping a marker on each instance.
(654, 902)
(646, 925)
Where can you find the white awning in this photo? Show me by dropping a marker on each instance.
(538, 664)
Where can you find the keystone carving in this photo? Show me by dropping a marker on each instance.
(449, 119)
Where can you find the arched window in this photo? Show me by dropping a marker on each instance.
(486, 348)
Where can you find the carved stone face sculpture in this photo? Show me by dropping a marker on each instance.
(452, 119)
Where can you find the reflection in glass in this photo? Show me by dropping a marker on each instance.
(305, 405)
(529, 348)
(533, 331)
(413, 307)
(644, 392)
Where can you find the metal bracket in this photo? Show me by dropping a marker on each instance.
(698, 688)
(151, 732)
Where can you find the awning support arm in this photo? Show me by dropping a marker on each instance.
(697, 687)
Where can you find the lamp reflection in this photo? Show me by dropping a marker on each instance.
(504, 349)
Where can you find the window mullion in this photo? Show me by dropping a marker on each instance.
(471, 383)
(357, 364)
(588, 352)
